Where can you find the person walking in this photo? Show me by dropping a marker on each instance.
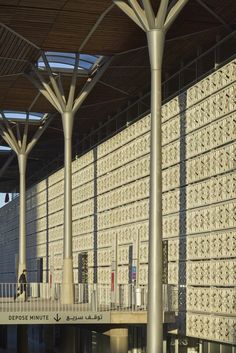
(23, 286)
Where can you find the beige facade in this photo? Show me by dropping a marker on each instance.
(111, 208)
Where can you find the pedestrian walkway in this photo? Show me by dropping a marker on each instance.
(92, 304)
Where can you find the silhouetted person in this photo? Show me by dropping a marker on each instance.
(22, 287)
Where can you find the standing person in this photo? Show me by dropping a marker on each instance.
(22, 287)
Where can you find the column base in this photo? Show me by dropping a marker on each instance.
(118, 340)
(67, 290)
(69, 339)
(22, 339)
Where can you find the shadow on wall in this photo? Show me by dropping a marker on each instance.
(95, 231)
(9, 243)
(182, 219)
(37, 240)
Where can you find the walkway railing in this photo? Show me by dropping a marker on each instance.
(46, 297)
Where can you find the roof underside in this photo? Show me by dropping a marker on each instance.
(63, 26)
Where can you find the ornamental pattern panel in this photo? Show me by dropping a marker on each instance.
(215, 328)
(171, 202)
(213, 272)
(111, 208)
(122, 215)
(83, 161)
(143, 253)
(125, 136)
(104, 275)
(123, 155)
(215, 189)
(83, 242)
(125, 174)
(212, 300)
(173, 249)
(104, 257)
(218, 133)
(131, 192)
(83, 193)
(212, 245)
(171, 130)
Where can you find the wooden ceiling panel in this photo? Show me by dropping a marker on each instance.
(100, 92)
(32, 24)
(115, 34)
(16, 98)
(92, 6)
(136, 58)
(62, 25)
(42, 105)
(6, 14)
(43, 4)
(223, 9)
(35, 15)
(127, 79)
(9, 2)
(68, 32)
(19, 95)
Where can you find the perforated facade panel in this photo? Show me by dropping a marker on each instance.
(111, 208)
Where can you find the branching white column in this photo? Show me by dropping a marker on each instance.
(155, 27)
(67, 108)
(19, 144)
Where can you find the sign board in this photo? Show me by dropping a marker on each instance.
(67, 317)
(134, 273)
(112, 281)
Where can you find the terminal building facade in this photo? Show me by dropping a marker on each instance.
(112, 202)
(111, 210)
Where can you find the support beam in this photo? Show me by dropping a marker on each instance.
(93, 29)
(89, 85)
(215, 15)
(129, 12)
(38, 133)
(6, 165)
(173, 13)
(115, 88)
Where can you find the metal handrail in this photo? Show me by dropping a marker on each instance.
(38, 297)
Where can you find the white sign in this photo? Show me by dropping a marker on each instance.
(56, 318)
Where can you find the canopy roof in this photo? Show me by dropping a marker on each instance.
(96, 29)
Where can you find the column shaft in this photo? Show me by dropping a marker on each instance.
(22, 161)
(67, 279)
(22, 339)
(155, 270)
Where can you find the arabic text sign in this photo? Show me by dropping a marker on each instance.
(55, 318)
